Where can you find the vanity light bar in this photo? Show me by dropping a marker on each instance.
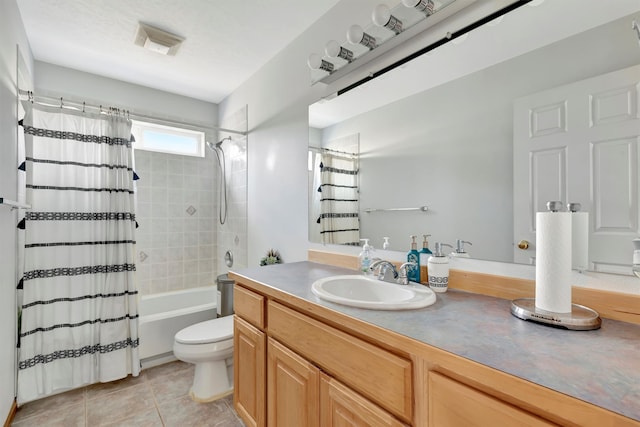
(414, 31)
(358, 36)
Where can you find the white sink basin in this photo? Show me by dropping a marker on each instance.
(369, 292)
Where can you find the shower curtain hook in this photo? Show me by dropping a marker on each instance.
(83, 105)
(61, 103)
(100, 108)
(30, 93)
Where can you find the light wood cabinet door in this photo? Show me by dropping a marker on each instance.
(342, 407)
(293, 388)
(453, 404)
(249, 373)
(380, 376)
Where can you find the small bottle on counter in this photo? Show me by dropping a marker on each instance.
(413, 272)
(365, 256)
(425, 252)
(438, 269)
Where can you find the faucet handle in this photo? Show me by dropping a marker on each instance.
(403, 278)
(460, 245)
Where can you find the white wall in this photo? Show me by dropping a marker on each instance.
(53, 80)
(12, 33)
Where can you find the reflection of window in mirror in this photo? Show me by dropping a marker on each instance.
(334, 189)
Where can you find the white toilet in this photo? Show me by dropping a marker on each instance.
(208, 345)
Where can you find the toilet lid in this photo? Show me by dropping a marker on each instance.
(209, 331)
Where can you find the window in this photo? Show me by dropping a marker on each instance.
(167, 139)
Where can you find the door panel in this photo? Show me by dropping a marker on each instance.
(579, 143)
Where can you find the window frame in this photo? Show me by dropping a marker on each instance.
(138, 127)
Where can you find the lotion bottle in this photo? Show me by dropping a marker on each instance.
(385, 245)
(413, 273)
(460, 252)
(438, 269)
(365, 256)
(425, 252)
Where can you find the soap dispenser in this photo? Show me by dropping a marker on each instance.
(413, 273)
(385, 245)
(460, 252)
(438, 269)
(365, 256)
(425, 252)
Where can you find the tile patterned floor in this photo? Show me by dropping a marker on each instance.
(159, 396)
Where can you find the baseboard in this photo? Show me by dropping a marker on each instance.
(12, 413)
(160, 359)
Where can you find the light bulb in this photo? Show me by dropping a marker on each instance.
(425, 6)
(382, 17)
(356, 35)
(315, 62)
(334, 50)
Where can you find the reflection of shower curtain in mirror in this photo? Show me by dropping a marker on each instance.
(79, 321)
(339, 220)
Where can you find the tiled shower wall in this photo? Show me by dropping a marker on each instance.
(232, 236)
(177, 217)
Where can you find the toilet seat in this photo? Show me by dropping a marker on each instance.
(210, 331)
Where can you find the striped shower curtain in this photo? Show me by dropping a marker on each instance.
(339, 219)
(79, 320)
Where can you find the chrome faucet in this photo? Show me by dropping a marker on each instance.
(403, 279)
(386, 270)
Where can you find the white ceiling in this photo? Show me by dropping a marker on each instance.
(226, 41)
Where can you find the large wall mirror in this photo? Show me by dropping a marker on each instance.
(479, 131)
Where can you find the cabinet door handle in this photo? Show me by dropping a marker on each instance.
(523, 244)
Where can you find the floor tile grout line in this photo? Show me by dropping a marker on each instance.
(155, 402)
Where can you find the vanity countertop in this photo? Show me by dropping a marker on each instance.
(601, 367)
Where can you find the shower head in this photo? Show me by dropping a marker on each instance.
(218, 144)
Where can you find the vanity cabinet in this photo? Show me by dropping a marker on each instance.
(298, 363)
(316, 375)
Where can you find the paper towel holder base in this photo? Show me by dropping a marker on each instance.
(581, 318)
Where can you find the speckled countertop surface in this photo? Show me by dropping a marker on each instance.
(601, 367)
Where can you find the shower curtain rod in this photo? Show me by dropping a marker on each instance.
(81, 106)
(345, 153)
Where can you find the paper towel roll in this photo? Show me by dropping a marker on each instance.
(580, 241)
(553, 261)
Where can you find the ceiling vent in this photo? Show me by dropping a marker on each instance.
(157, 40)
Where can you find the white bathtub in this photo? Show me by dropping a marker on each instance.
(162, 315)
